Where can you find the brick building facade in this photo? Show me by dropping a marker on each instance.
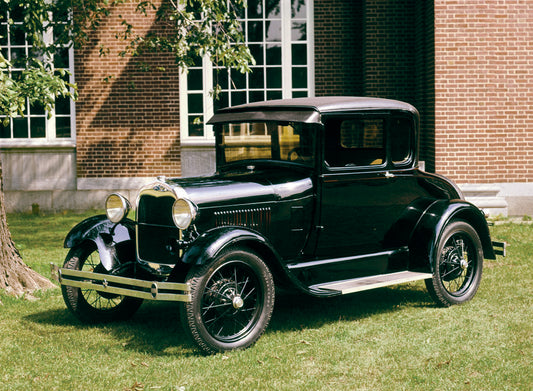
(467, 66)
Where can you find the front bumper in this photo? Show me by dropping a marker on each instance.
(142, 289)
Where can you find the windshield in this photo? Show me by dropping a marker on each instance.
(245, 141)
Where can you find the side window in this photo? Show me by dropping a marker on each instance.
(355, 142)
(401, 134)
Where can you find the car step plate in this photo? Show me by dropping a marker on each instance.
(372, 282)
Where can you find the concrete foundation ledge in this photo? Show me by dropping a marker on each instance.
(113, 183)
(501, 199)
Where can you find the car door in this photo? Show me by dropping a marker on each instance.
(365, 186)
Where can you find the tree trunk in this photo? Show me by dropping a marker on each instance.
(16, 278)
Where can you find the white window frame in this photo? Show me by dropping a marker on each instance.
(50, 139)
(286, 69)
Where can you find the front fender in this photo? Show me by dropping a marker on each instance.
(212, 242)
(426, 235)
(105, 235)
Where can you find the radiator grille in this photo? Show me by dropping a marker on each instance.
(156, 232)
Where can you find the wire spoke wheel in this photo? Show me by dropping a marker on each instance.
(98, 300)
(90, 305)
(458, 266)
(232, 302)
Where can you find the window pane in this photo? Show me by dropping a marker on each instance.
(16, 14)
(17, 35)
(238, 98)
(238, 80)
(298, 9)
(37, 127)
(257, 53)
(257, 78)
(299, 31)
(355, 142)
(62, 105)
(255, 31)
(38, 109)
(59, 29)
(222, 101)
(273, 31)
(257, 96)
(299, 94)
(63, 127)
(255, 9)
(18, 57)
(196, 126)
(194, 79)
(400, 134)
(61, 59)
(273, 9)
(3, 35)
(196, 103)
(273, 55)
(299, 77)
(220, 77)
(20, 128)
(299, 54)
(274, 95)
(5, 131)
(273, 77)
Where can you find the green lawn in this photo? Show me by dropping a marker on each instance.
(386, 339)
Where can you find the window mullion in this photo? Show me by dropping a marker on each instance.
(208, 97)
(286, 57)
(310, 48)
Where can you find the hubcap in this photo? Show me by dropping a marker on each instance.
(237, 302)
(464, 264)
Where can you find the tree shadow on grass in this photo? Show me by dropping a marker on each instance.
(156, 328)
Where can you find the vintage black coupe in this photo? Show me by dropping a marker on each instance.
(321, 195)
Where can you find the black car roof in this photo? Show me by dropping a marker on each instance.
(306, 109)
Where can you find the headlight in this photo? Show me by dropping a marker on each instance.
(116, 207)
(183, 213)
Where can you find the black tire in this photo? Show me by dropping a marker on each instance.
(457, 266)
(87, 304)
(232, 302)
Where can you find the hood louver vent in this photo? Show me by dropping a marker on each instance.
(257, 219)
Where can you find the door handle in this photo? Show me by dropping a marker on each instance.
(389, 174)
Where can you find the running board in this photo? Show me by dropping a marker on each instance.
(366, 283)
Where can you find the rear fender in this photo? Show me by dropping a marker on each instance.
(105, 235)
(427, 233)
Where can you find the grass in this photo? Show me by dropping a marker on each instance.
(386, 339)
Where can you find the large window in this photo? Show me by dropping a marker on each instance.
(36, 126)
(279, 35)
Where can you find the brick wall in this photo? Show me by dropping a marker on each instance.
(338, 47)
(381, 48)
(389, 46)
(484, 90)
(127, 126)
(424, 52)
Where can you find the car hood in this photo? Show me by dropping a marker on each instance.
(248, 186)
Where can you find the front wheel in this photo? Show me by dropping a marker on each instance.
(232, 302)
(457, 266)
(87, 304)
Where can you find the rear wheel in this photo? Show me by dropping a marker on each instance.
(232, 302)
(457, 266)
(90, 305)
